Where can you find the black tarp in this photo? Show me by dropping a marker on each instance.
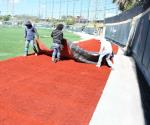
(83, 55)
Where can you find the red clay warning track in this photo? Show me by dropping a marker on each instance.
(35, 91)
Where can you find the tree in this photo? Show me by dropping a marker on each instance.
(1, 17)
(70, 20)
(7, 17)
(126, 4)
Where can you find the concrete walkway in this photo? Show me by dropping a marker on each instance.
(120, 103)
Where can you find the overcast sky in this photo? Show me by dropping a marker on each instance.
(92, 9)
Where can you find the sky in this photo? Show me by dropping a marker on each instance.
(91, 9)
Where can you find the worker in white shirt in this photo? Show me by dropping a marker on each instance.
(105, 50)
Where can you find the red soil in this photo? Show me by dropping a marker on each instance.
(35, 91)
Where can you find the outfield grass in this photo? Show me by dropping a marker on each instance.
(12, 40)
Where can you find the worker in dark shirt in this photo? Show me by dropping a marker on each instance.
(57, 36)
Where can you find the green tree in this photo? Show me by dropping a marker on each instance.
(1, 17)
(7, 17)
(126, 4)
(70, 20)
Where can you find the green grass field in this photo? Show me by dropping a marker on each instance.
(12, 40)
